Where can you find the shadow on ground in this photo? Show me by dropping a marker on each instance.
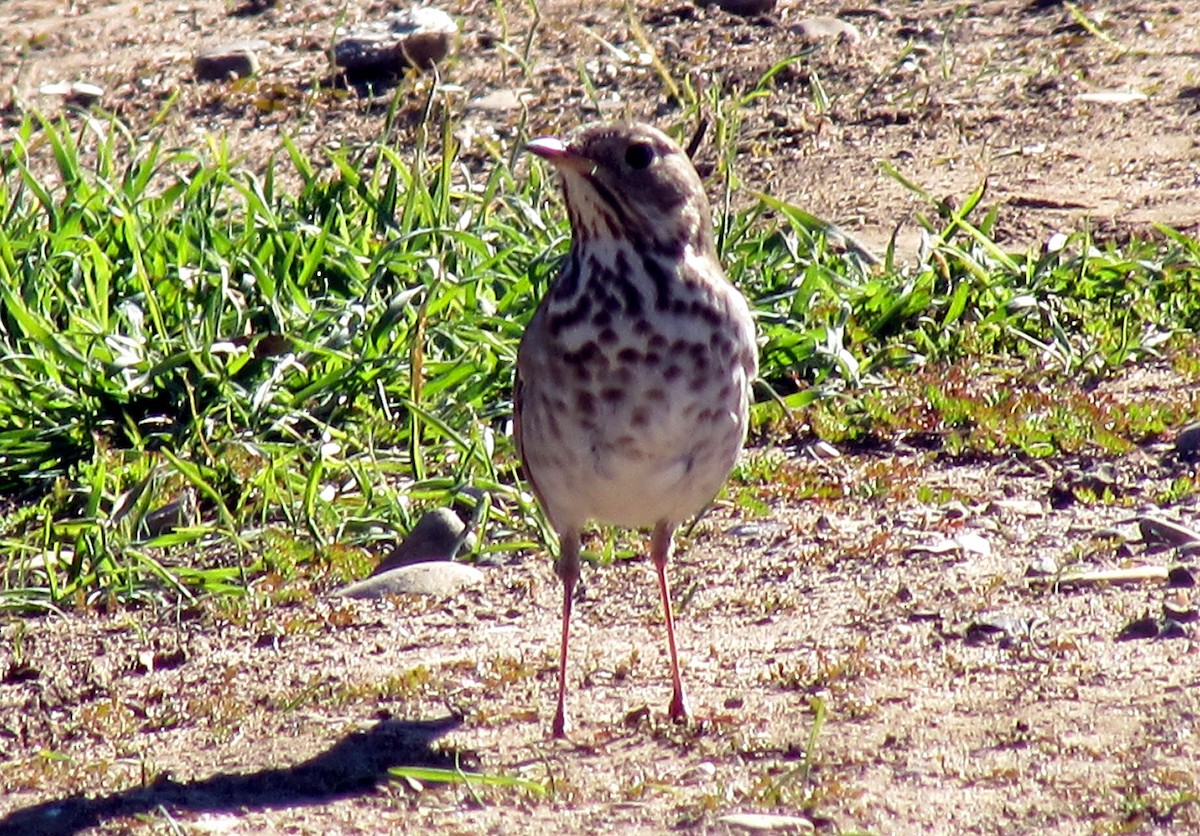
(354, 766)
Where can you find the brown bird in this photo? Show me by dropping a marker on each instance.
(633, 376)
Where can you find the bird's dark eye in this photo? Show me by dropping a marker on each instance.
(639, 155)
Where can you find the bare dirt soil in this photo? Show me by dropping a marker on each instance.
(959, 695)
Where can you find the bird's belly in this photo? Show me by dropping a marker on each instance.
(656, 454)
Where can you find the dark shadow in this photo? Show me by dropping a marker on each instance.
(354, 766)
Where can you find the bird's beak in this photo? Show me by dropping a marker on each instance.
(560, 155)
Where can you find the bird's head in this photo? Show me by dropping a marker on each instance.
(629, 181)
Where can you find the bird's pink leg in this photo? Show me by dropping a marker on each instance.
(567, 568)
(660, 553)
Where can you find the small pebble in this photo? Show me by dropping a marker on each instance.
(1187, 443)
(747, 8)
(1181, 612)
(221, 62)
(993, 626)
(1041, 567)
(1180, 577)
(826, 29)
(1143, 628)
(1020, 507)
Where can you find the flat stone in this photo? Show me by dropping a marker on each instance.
(235, 59)
(418, 37)
(438, 578)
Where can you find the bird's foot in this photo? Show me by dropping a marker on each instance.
(679, 710)
(561, 726)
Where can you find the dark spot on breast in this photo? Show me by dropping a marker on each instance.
(563, 320)
(656, 396)
(607, 336)
(600, 296)
(705, 311)
(585, 401)
(582, 356)
(640, 417)
(652, 358)
(672, 372)
(595, 268)
(601, 318)
(658, 342)
(605, 195)
(613, 395)
(629, 355)
(628, 290)
(661, 280)
(679, 307)
(673, 247)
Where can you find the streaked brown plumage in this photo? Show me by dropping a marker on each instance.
(633, 376)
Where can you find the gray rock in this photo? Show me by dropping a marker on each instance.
(436, 536)
(235, 59)
(439, 578)
(418, 37)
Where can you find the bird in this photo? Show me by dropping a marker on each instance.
(632, 382)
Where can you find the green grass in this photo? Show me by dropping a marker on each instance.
(207, 377)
